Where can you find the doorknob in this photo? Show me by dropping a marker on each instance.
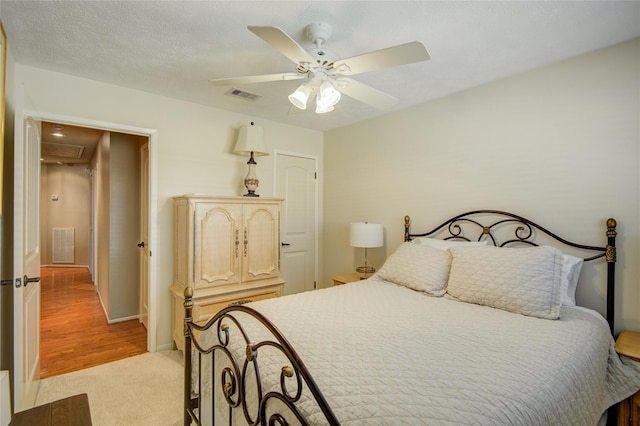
(140, 244)
(285, 244)
(28, 280)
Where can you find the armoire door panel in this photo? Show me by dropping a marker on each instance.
(262, 246)
(217, 240)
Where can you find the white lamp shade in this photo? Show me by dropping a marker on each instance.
(250, 140)
(367, 235)
(300, 97)
(328, 95)
(322, 109)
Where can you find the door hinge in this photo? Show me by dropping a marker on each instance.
(315, 175)
(315, 285)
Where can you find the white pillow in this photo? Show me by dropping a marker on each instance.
(418, 267)
(571, 267)
(445, 244)
(520, 280)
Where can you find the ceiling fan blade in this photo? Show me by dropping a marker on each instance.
(385, 58)
(255, 79)
(281, 41)
(366, 94)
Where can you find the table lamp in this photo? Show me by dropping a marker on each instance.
(250, 143)
(366, 235)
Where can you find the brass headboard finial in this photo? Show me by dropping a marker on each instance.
(407, 220)
(611, 227)
(188, 293)
(610, 254)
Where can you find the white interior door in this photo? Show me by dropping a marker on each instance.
(26, 255)
(296, 183)
(144, 235)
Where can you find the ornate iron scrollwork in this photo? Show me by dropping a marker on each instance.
(235, 326)
(611, 254)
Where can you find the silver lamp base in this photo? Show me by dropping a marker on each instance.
(365, 271)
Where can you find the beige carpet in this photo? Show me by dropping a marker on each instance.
(144, 390)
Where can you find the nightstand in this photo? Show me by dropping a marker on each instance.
(628, 344)
(346, 278)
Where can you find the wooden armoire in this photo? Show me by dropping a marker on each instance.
(227, 249)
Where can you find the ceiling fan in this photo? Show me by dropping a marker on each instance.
(326, 76)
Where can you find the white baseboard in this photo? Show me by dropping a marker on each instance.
(104, 310)
(117, 320)
(167, 347)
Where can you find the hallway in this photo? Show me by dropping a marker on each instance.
(74, 333)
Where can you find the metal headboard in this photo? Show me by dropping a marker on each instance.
(521, 231)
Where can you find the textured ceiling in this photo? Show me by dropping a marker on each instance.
(174, 47)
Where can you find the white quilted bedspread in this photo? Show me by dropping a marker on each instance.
(383, 354)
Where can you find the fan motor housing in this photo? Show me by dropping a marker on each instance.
(318, 33)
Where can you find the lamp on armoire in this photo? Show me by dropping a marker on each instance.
(366, 235)
(250, 143)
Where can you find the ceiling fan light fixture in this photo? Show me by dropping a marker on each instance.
(321, 109)
(300, 97)
(323, 73)
(329, 95)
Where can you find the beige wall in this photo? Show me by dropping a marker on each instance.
(559, 145)
(193, 149)
(72, 186)
(124, 228)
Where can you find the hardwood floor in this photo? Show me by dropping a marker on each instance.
(74, 333)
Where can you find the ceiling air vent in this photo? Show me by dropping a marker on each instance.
(61, 150)
(243, 94)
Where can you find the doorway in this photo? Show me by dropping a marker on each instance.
(149, 136)
(100, 202)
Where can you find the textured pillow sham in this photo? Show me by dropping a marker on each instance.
(571, 267)
(445, 244)
(521, 280)
(418, 267)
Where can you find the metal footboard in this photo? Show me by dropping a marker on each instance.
(243, 389)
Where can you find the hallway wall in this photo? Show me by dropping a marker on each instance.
(72, 186)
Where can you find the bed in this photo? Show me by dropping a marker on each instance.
(478, 326)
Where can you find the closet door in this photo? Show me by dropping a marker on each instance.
(217, 244)
(261, 242)
(296, 182)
